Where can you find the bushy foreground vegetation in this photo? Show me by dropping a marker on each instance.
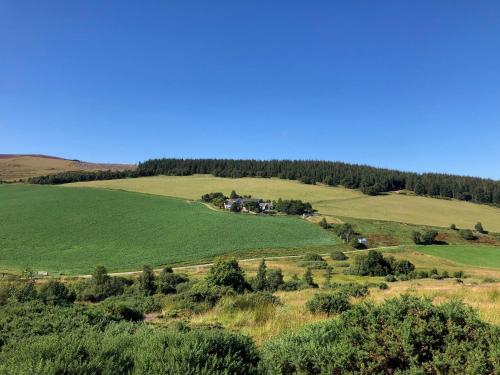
(45, 329)
(403, 335)
(369, 180)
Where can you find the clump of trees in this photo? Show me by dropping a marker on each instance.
(467, 234)
(293, 207)
(426, 238)
(375, 264)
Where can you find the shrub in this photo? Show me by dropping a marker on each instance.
(338, 255)
(332, 303)
(292, 285)
(422, 274)
(383, 286)
(403, 267)
(371, 264)
(168, 281)
(479, 227)
(311, 257)
(308, 279)
(324, 224)
(259, 283)
(274, 279)
(54, 292)
(227, 273)
(458, 274)
(118, 350)
(416, 237)
(453, 227)
(351, 289)
(429, 237)
(390, 278)
(467, 234)
(445, 275)
(402, 335)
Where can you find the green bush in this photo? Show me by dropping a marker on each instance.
(403, 335)
(467, 234)
(227, 273)
(351, 289)
(383, 286)
(311, 257)
(338, 255)
(120, 350)
(54, 292)
(332, 303)
(429, 237)
(390, 278)
(459, 274)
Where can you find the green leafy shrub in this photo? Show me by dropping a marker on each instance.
(402, 335)
(120, 350)
(227, 273)
(55, 292)
(338, 255)
(467, 234)
(390, 278)
(459, 274)
(331, 303)
(383, 286)
(351, 289)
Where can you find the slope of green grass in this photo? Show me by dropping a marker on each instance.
(480, 256)
(333, 201)
(72, 230)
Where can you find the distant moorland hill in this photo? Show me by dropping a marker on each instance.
(22, 166)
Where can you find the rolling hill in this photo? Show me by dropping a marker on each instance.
(21, 166)
(330, 201)
(69, 231)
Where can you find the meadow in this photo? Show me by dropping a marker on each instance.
(332, 202)
(70, 231)
(479, 256)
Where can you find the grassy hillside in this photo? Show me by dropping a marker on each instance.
(14, 167)
(334, 201)
(72, 230)
(480, 256)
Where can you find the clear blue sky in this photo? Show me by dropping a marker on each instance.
(413, 85)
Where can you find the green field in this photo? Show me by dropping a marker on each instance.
(69, 231)
(332, 201)
(479, 256)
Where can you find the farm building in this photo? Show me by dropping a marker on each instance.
(244, 203)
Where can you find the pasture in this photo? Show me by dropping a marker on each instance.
(71, 231)
(330, 201)
(479, 256)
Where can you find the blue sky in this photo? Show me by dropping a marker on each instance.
(413, 85)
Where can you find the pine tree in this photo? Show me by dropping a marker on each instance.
(147, 280)
(328, 276)
(260, 281)
(308, 279)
